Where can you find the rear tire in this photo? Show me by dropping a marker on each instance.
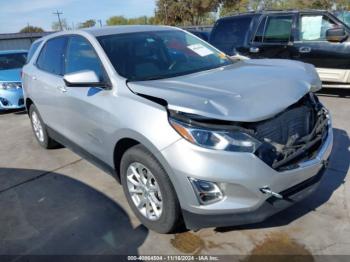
(40, 130)
(161, 211)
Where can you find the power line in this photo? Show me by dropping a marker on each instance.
(59, 18)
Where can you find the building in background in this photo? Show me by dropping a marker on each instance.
(19, 40)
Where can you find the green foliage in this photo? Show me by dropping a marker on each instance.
(87, 23)
(234, 6)
(31, 29)
(121, 20)
(185, 12)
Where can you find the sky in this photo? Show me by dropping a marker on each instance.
(16, 14)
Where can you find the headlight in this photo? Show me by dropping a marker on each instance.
(236, 141)
(10, 85)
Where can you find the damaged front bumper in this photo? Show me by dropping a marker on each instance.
(241, 176)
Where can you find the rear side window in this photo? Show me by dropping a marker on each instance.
(51, 56)
(81, 56)
(32, 50)
(274, 29)
(230, 34)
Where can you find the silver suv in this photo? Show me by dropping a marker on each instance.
(196, 138)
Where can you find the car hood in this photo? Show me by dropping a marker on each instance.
(246, 91)
(13, 75)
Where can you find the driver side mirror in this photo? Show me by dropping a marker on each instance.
(86, 78)
(336, 35)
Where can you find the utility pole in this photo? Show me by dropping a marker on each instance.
(59, 18)
(166, 13)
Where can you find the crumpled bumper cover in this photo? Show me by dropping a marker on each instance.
(270, 207)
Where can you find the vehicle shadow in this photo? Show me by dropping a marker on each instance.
(333, 178)
(51, 214)
(13, 111)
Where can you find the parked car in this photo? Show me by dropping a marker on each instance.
(11, 94)
(315, 37)
(192, 134)
(343, 16)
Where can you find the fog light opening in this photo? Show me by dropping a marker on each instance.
(207, 192)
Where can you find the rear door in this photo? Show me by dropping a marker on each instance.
(274, 37)
(48, 85)
(332, 59)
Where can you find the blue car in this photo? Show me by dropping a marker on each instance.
(11, 94)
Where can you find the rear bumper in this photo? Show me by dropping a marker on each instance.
(270, 207)
(11, 99)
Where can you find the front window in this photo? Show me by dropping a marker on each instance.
(314, 27)
(81, 56)
(12, 61)
(160, 54)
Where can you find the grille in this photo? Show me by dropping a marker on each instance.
(296, 121)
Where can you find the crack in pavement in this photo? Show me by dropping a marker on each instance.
(40, 176)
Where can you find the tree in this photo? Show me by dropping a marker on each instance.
(142, 20)
(234, 6)
(193, 12)
(117, 20)
(31, 29)
(56, 25)
(87, 23)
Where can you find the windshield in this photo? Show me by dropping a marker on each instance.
(345, 17)
(12, 61)
(160, 54)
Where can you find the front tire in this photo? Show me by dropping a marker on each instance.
(149, 191)
(40, 130)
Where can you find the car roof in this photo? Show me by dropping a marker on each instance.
(8, 52)
(110, 30)
(122, 29)
(264, 12)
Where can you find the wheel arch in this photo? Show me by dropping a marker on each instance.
(131, 139)
(28, 103)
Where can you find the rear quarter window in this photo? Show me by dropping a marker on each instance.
(32, 50)
(230, 34)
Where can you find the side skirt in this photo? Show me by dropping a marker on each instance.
(82, 152)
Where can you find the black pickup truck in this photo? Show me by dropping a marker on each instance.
(315, 37)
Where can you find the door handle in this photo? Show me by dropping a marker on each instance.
(62, 89)
(304, 49)
(254, 50)
(34, 77)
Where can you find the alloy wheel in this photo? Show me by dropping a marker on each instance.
(144, 191)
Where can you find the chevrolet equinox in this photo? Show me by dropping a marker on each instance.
(196, 138)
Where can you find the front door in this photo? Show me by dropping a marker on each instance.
(331, 59)
(85, 119)
(274, 37)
